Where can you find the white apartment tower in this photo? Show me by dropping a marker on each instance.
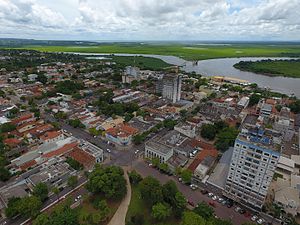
(253, 163)
(171, 87)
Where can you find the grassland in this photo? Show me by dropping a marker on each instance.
(286, 68)
(188, 52)
(138, 206)
(143, 63)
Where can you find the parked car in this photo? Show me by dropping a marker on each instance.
(254, 218)
(108, 150)
(212, 204)
(242, 211)
(220, 199)
(179, 179)
(224, 202)
(191, 203)
(237, 209)
(210, 194)
(137, 151)
(193, 186)
(214, 198)
(204, 192)
(229, 203)
(260, 221)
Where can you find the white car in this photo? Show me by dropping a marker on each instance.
(254, 218)
(214, 198)
(210, 194)
(136, 152)
(260, 221)
(237, 209)
(108, 150)
(193, 186)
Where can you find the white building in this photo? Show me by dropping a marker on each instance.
(171, 87)
(186, 129)
(155, 149)
(252, 167)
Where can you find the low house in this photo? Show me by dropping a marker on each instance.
(52, 136)
(121, 134)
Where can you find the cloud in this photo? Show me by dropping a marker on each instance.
(151, 19)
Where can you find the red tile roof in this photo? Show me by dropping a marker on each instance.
(22, 118)
(50, 135)
(12, 142)
(122, 130)
(207, 150)
(82, 157)
(61, 151)
(28, 164)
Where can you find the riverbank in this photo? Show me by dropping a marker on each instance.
(285, 68)
(187, 52)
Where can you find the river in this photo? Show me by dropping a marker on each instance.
(224, 67)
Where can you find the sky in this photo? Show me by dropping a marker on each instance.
(129, 20)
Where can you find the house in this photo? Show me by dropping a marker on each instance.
(121, 134)
(186, 129)
(52, 136)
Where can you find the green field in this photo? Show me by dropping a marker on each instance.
(189, 52)
(144, 63)
(286, 68)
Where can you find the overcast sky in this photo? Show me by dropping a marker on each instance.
(151, 19)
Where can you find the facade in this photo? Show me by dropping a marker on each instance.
(155, 149)
(171, 87)
(252, 167)
(130, 74)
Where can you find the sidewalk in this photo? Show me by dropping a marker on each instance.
(120, 215)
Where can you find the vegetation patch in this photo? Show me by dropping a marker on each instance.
(286, 68)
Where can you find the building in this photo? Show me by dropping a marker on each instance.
(130, 74)
(156, 149)
(52, 136)
(253, 163)
(186, 129)
(121, 134)
(243, 102)
(171, 87)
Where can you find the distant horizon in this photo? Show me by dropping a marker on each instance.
(156, 20)
(157, 41)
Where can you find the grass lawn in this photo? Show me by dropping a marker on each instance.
(87, 207)
(189, 52)
(138, 206)
(286, 68)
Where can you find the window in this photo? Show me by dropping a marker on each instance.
(266, 154)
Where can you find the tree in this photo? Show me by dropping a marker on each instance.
(42, 78)
(29, 206)
(134, 177)
(208, 131)
(254, 99)
(169, 191)
(41, 219)
(76, 123)
(4, 174)
(155, 162)
(186, 176)
(12, 207)
(104, 210)
(191, 218)
(151, 190)
(55, 191)
(74, 164)
(72, 181)
(7, 127)
(295, 106)
(160, 211)
(179, 204)
(204, 210)
(41, 191)
(226, 138)
(109, 181)
(164, 167)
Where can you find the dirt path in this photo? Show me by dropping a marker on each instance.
(120, 215)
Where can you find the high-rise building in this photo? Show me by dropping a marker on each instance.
(253, 163)
(171, 87)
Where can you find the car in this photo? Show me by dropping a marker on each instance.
(191, 203)
(137, 151)
(229, 204)
(193, 187)
(224, 202)
(95, 136)
(237, 209)
(204, 192)
(179, 179)
(254, 218)
(260, 221)
(214, 197)
(242, 211)
(210, 194)
(150, 164)
(220, 199)
(212, 204)
(108, 150)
